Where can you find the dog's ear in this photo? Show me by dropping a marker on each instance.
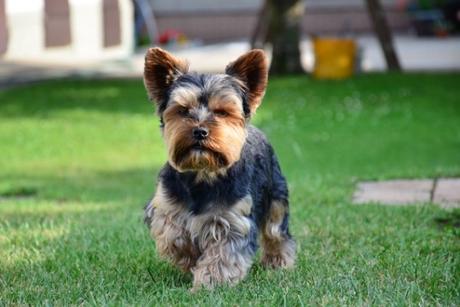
(252, 69)
(161, 69)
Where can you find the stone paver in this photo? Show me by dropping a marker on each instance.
(444, 192)
(447, 192)
(394, 192)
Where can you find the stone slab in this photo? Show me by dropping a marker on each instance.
(447, 193)
(394, 192)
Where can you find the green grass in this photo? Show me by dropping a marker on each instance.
(78, 160)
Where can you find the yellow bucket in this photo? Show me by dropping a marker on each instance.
(334, 58)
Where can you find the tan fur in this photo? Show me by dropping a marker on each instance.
(210, 245)
(278, 249)
(185, 96)
(172, 238)
(161, 69)
(225, 99)
(252, 70)
(226, 134)
(222, 238)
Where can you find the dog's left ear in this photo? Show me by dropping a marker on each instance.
(252, 69)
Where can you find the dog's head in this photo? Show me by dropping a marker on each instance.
(204, 116)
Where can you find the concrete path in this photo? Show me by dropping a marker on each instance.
(444, 192)
(416, 54)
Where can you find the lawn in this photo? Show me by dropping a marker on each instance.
(78, 161)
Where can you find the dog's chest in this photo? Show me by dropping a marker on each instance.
(171, 220)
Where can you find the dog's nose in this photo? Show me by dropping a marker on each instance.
(200, 133)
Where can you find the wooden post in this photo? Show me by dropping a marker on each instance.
(258, 37)
(383, 32)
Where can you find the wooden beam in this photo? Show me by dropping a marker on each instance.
(377, 15)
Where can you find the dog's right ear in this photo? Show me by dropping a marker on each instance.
(161, 69)
(252, 69)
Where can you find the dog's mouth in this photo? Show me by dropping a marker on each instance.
(199, 156)
(198, 146)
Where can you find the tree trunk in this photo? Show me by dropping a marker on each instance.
(383, 32)
(284, 17)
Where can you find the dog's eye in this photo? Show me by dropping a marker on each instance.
(183, 111)
(221, 113)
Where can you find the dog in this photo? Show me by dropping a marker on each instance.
(221, 189)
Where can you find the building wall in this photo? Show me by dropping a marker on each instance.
(225, 5)
(63, 30)
(225, 20)
(3, 29)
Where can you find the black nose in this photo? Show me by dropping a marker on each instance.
(200, 133)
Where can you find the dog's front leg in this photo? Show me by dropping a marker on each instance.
(227, 241)
(221, 263)
(167, 221)
(172, 240)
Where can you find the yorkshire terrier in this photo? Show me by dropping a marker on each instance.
(222, 187)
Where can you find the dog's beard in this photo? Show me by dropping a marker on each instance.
(219, 151)
(198, 156)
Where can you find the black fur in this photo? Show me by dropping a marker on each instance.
(257, 173)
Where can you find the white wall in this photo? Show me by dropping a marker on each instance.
(25, 22)
(25, 27)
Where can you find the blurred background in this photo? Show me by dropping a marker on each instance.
(361, 91)
(42, 39)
